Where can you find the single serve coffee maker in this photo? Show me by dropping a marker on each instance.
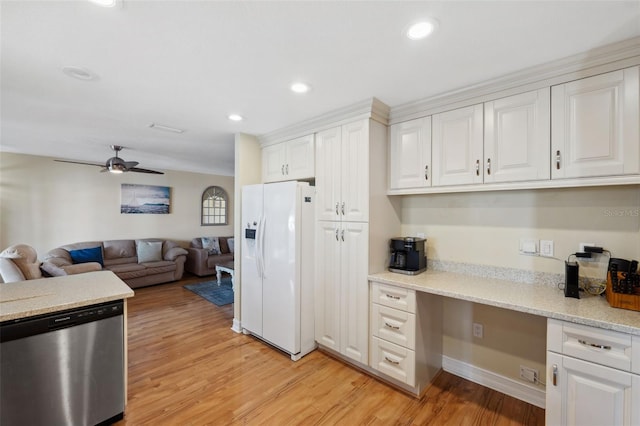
(408, 255)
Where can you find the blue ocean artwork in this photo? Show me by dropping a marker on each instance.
(144, 199)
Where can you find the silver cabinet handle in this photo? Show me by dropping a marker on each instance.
(488, 166)
(343, 208)
(393, 327)
(558, 159)
(477, 167)
(287, 168)
(343, 235)
(390, 361)
(555, 375)
(337, 239)
(337, 205)
(426, 172)
(282, 169)
(391, 296)
(594, 345)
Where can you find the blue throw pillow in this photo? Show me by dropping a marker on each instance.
(93, 254)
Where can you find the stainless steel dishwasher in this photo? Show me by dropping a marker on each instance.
(65, 368)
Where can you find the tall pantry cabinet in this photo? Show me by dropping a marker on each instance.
(355, 220)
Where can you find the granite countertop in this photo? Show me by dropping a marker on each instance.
(537, 299)
(46, 295)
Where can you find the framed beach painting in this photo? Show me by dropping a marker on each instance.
(144, 199)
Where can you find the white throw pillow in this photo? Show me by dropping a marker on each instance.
(212, 244)
(231, 244)
(149, 251)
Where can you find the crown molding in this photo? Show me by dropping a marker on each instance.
(371, 108)
(596, 61)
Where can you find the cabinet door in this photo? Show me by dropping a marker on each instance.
(595, 125)
(589, 394)
(328, 297)
(457, 146)
(300, 158)
(354, 205)
(273, 162)
(354, 239)
(410, 154)
(517, 137)
(328, 151)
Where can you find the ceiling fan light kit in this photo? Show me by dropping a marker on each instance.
(116, 165)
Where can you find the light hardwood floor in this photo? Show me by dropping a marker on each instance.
(186, 367)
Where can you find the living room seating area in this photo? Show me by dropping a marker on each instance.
(207, 252)
(138, 263)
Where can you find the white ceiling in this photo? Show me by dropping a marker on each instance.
(188, 64)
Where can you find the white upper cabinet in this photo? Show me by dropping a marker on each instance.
(457, 146)
(342, 178)
(517, 138)
(290, 160)
(410, 154)
(595, 126)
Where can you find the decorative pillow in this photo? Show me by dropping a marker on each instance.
(93, 254)
(212, 244)
(149, 251)
(224, 247)
(231, 244)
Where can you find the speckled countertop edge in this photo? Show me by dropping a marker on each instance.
(47, 295)
(536, 298)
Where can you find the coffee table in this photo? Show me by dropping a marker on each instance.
(228, 268)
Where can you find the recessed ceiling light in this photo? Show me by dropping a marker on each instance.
(235, 117)
(80, 73)
(165, 128)
(421, 29)
(104, 3)
(300, 87)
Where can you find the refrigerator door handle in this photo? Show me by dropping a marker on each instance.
(258, 252)
(260, 245)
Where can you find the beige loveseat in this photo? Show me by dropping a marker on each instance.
(138, 263)
(202, 261)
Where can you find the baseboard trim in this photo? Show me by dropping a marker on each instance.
(494, 381)
(236, 326)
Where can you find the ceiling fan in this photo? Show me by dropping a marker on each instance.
(116, 164)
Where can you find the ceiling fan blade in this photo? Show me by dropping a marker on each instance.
(139, 170)
(130, 164)
(80, 162)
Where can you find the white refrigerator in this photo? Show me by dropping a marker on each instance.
(276, 295)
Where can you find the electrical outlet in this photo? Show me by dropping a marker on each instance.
(529, 374)
(528, 246)
(593, 255)
(478, 330)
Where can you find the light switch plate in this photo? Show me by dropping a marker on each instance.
(546, 248)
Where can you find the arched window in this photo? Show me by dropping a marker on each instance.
(214, 206)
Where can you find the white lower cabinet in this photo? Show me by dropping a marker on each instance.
(341, 293)
(590, 379)
(406, 335)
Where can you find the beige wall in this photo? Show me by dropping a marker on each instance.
(46, 204)
(485, 228)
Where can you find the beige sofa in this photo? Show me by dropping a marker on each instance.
(138, 263)
(20, 263)
(202, 261)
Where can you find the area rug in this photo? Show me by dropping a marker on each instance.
(218, 294)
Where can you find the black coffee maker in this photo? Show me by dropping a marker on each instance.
(408, 255)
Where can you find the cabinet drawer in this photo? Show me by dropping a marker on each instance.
(605, 347)
(393, 325)
(393, 360)
(394, 297)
